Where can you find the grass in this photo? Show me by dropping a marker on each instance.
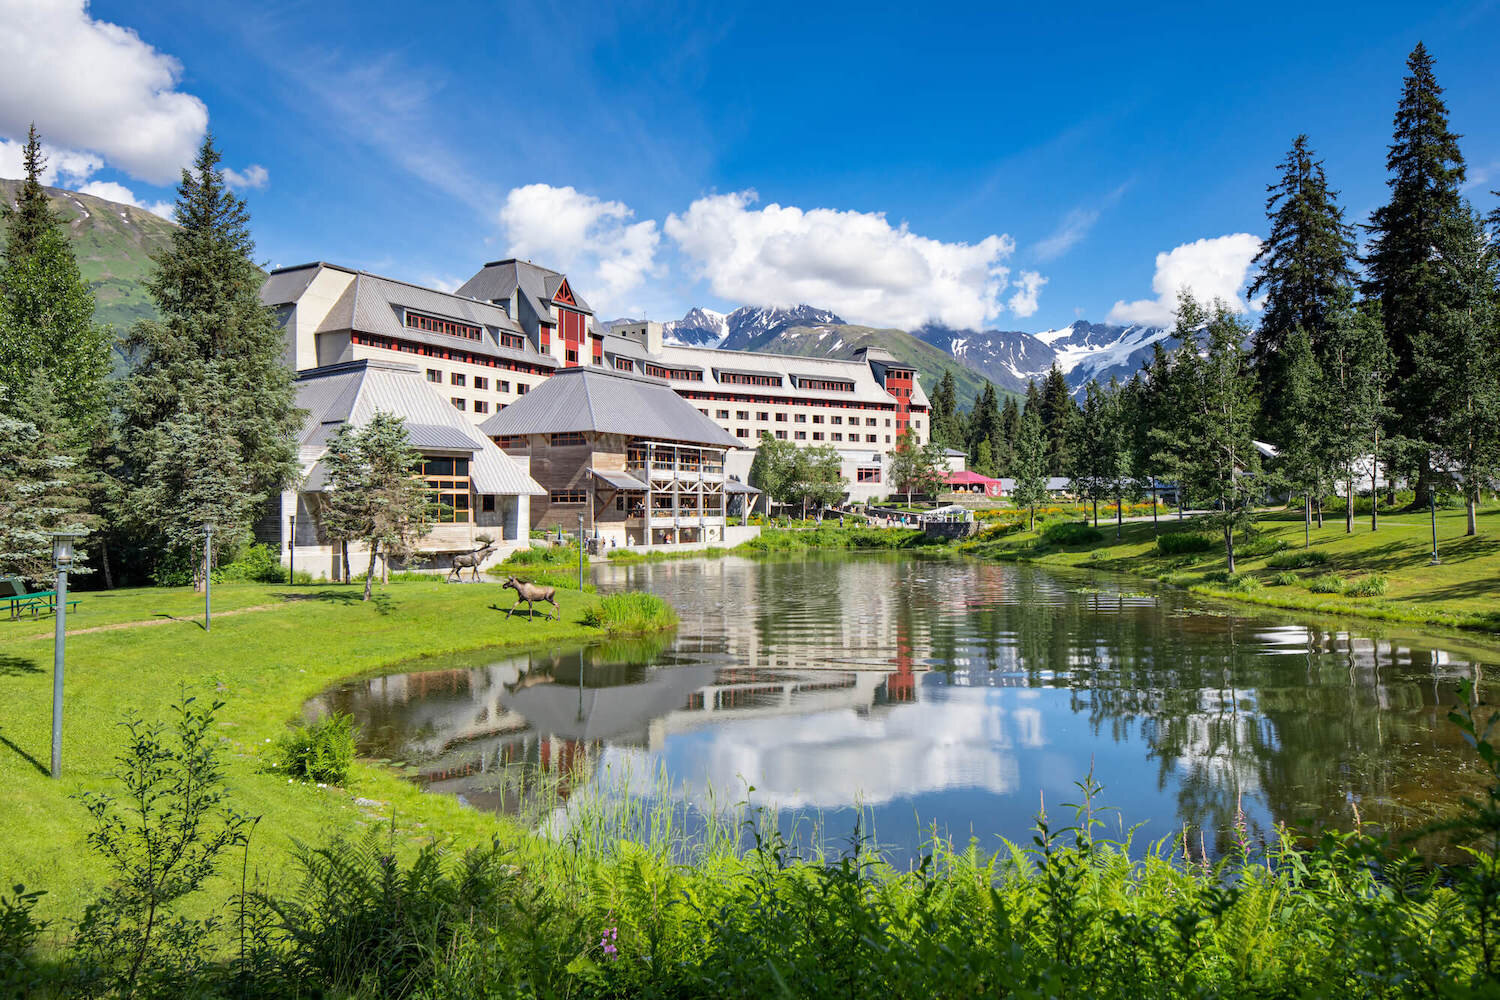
(263, 665)
(632, 613)
(630, 557)
(828, 536)
(1381, 575)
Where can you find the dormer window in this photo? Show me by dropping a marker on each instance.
(448, 327)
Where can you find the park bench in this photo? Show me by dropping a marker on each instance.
(14, 595)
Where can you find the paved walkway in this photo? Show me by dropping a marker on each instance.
(160, 620)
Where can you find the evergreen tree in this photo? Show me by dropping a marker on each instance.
(1010, 428)
(1220, 463)
(1058, 414)
(1354, 362)
(1304, 272)
(1117, 414)
(1426, 171)
(984, 422)
(400, 505)
(42, 485)
(1463, 357)
(33, 215)
(1030, 467)
(47, 327)
(1091, 448)
(1165, 443)
(946, 422)
(1302, 458)
(213, 332)
(984, 460)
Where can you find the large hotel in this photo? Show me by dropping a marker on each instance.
(512, 327)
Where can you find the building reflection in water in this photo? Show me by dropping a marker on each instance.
(942, 691)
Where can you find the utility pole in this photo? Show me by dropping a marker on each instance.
(62, 559)
(208, 576)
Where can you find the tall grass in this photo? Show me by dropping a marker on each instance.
(631, 613)
(1172, 543)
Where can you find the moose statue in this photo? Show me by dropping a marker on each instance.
(471, 559)
(530, 593)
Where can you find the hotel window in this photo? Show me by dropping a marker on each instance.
(802, 435)
(870, 422)
(448, 484)
(458, 402)
(565, 440)
(487, 504)
(781, 435)
(817, 418)
(721, 414)
(514, 341)
(433, 375)
(867, 475)
(888, 421)
(762, 416)
(837, 419)
(480, 406)
(742, 432)
(625, 364)
(569, 497)
(817, 435)
(501, 386)
(432, 324)
(742, 414)
(825, 385)
(681, 374)
(887, 439)
(572, 356)
(511, 441)
(735, 378)
(703, 410)
(801, 418)
(456, 378)
(521, 388)
(837, 436)
(870, 438)
(781, 418)
(480, 382)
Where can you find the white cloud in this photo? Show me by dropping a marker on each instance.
(855, 263)
(61, 167)
(1211, 269)
(95, 86)
(110, 191)
(254, 178)
(1073, 228)
(594, 241)
(1028, 288)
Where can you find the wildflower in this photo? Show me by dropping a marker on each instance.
(607, 943)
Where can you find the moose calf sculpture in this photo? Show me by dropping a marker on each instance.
(471, 560)
(531, 593)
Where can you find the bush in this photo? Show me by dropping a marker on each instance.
(540, 555)
(255, 563)
(321, 751)
(1366, 586)
(19, 931)
(630, 613)
(1299, 559)
(1254, 546)
(1327, 583)
(1071, 533)
(1176, 543)
(1286, 579)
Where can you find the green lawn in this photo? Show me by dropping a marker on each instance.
(1463, 592)
(263, 665)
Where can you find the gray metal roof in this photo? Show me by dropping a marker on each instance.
(286, 284)
(619, 480)
(609, 402)
(355, 391)
(497, 279)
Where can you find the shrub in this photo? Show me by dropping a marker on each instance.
(1326, 583)
(257, 563)
(1255, 545)
(19, 931)
(1071, 533)
(321, 751)
(1286, 578)
(539, 555)
(630, 613)
(1176, 543)
(1366, 586)
(1299, 559)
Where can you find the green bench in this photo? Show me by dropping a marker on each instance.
(14, 595)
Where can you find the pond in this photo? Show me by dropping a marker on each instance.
(917, 694)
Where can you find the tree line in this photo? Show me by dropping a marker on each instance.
(201, 430)
(1381, 361)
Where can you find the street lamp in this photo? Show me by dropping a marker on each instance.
(580, 552)
(1432, 507)
(62, 559)
(208, 576)
(291, 553)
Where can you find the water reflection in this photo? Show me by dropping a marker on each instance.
(947, 692)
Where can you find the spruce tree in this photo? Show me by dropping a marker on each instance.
(400, 505)
(1010, 428)
(943, 412)
(1303, 456)
(1058, 414)
(1355, 362)
(1426, 171)
(1030, 467)
(43, 487)
(984, 422)
(1463, 357)
(213, 331)
(47, 327)
(1304, 272)
(1091, 448)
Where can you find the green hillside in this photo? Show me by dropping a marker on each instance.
(841, 342)
(114, 244)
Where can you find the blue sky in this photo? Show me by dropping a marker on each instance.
(1006, 167)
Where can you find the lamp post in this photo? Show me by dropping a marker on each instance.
(208, 576)
(62, 559)
(580, 552)
(291, 552)
(1432, 508)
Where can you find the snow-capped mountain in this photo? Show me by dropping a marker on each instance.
(1083, 351)
(1007, 358)
(699, 328)
(750, 327)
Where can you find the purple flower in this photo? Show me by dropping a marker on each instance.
(607, 943)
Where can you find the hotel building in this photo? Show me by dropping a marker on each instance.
(514, 324)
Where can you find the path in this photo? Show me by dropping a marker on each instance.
(162, 620)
